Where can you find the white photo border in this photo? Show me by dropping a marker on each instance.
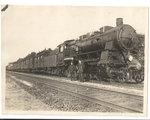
(114, 3)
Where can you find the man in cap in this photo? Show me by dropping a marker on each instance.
(81, 70)
(133, 63)
(72, 70)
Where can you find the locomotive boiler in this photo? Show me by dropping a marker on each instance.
(123, 34)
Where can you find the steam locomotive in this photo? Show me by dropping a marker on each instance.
(111, 53)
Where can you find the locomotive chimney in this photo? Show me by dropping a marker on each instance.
(119, 21)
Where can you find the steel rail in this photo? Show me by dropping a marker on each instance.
(136, 97)
(90, 99)
(97, 101)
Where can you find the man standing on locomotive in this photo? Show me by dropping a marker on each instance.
(81, 70)
(133, 63)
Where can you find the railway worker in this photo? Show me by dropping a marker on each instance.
(72, 69)
(81, 70)
(133, 63)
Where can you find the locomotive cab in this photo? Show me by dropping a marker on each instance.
(67, 52)
(65, 56)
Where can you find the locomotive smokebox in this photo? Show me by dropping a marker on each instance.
(119, 21)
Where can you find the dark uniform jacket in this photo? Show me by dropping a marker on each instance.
(72, 68)
(81, 67)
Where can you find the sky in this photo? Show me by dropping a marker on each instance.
(27, 29)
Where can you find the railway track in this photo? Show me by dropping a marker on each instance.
(119, 101)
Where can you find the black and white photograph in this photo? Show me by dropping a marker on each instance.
(74, 60)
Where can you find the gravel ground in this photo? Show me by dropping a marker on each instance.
(136, 89)
(41, 97)
(18, 99)
(129, 85)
